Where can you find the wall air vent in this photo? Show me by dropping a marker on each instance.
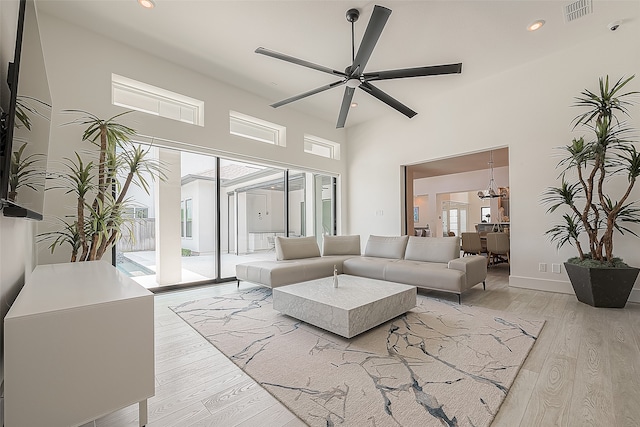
(577, 9)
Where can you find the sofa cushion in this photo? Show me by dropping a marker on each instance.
(371, 267)
(280, 273)
(341, 245)
(426, 275)
(432, 249)
(386, 246)
(296, 247)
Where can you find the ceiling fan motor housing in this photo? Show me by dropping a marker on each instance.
(353, 15)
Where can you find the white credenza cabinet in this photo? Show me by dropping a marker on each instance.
(78, 344)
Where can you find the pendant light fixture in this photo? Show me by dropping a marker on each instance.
(492, 190)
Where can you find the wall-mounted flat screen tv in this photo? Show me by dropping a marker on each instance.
(26, 122)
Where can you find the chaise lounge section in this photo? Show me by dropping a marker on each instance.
(429, 263)
(298, 259)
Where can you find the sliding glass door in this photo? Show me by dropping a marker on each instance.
(254, 213)
(210, 214)
(311, 204)
(198, 206)
(170, 237)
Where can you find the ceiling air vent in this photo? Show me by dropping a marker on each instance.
(577, 9)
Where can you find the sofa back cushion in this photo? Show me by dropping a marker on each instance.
(341, 245)
(296, 247)
(386, 246)
(433, 249)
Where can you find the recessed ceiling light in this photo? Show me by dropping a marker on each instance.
(354, 104)
(148, 4)
(536, 25)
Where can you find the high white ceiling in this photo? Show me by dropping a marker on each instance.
(218, 38)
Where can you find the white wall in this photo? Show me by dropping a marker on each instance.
(17, 260)
(202, 193)
(17, 254)
(80, 63)
(528, 110)
(205, 209)
(265, 211)
(421, 201)
(295, 218)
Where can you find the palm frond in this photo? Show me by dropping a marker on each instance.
(565, 195)
(566, 232)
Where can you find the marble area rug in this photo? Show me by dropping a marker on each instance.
(441, 364)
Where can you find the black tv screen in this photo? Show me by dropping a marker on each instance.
(26, 122)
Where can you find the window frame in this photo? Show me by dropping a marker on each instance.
(188, 218)
(333, 147)
(239, 119)
(123, 85)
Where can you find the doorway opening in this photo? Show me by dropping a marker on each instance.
(451, 195)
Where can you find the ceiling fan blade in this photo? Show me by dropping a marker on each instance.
(344, 108)
(434, 70)
(370, 38)
(382, 96)
(297, 61)
(309, 93)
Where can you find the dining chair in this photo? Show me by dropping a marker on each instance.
(498, 248)
(471, 244)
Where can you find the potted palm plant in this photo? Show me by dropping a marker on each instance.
(100, 187)
(595, 203)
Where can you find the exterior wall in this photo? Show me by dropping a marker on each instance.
(203, 195)
(265, 211)
(295, 220)
(525, 108)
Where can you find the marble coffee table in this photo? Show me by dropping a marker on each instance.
(356, 305)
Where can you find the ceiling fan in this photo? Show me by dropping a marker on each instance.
(354, 75)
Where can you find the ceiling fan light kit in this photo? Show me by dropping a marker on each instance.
(354, 76)
(353, 83)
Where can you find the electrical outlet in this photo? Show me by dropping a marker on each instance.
(542, 267)
(556, 268)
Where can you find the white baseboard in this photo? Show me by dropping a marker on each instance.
(560, 286)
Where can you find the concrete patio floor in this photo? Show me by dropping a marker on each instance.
(141, 266)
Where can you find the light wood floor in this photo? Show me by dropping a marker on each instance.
(584, 369)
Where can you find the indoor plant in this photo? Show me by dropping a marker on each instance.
(100, 187)
(597, 204)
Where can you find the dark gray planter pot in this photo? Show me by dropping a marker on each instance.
(602, 287)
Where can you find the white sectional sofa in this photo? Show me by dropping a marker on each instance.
(424, 262)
